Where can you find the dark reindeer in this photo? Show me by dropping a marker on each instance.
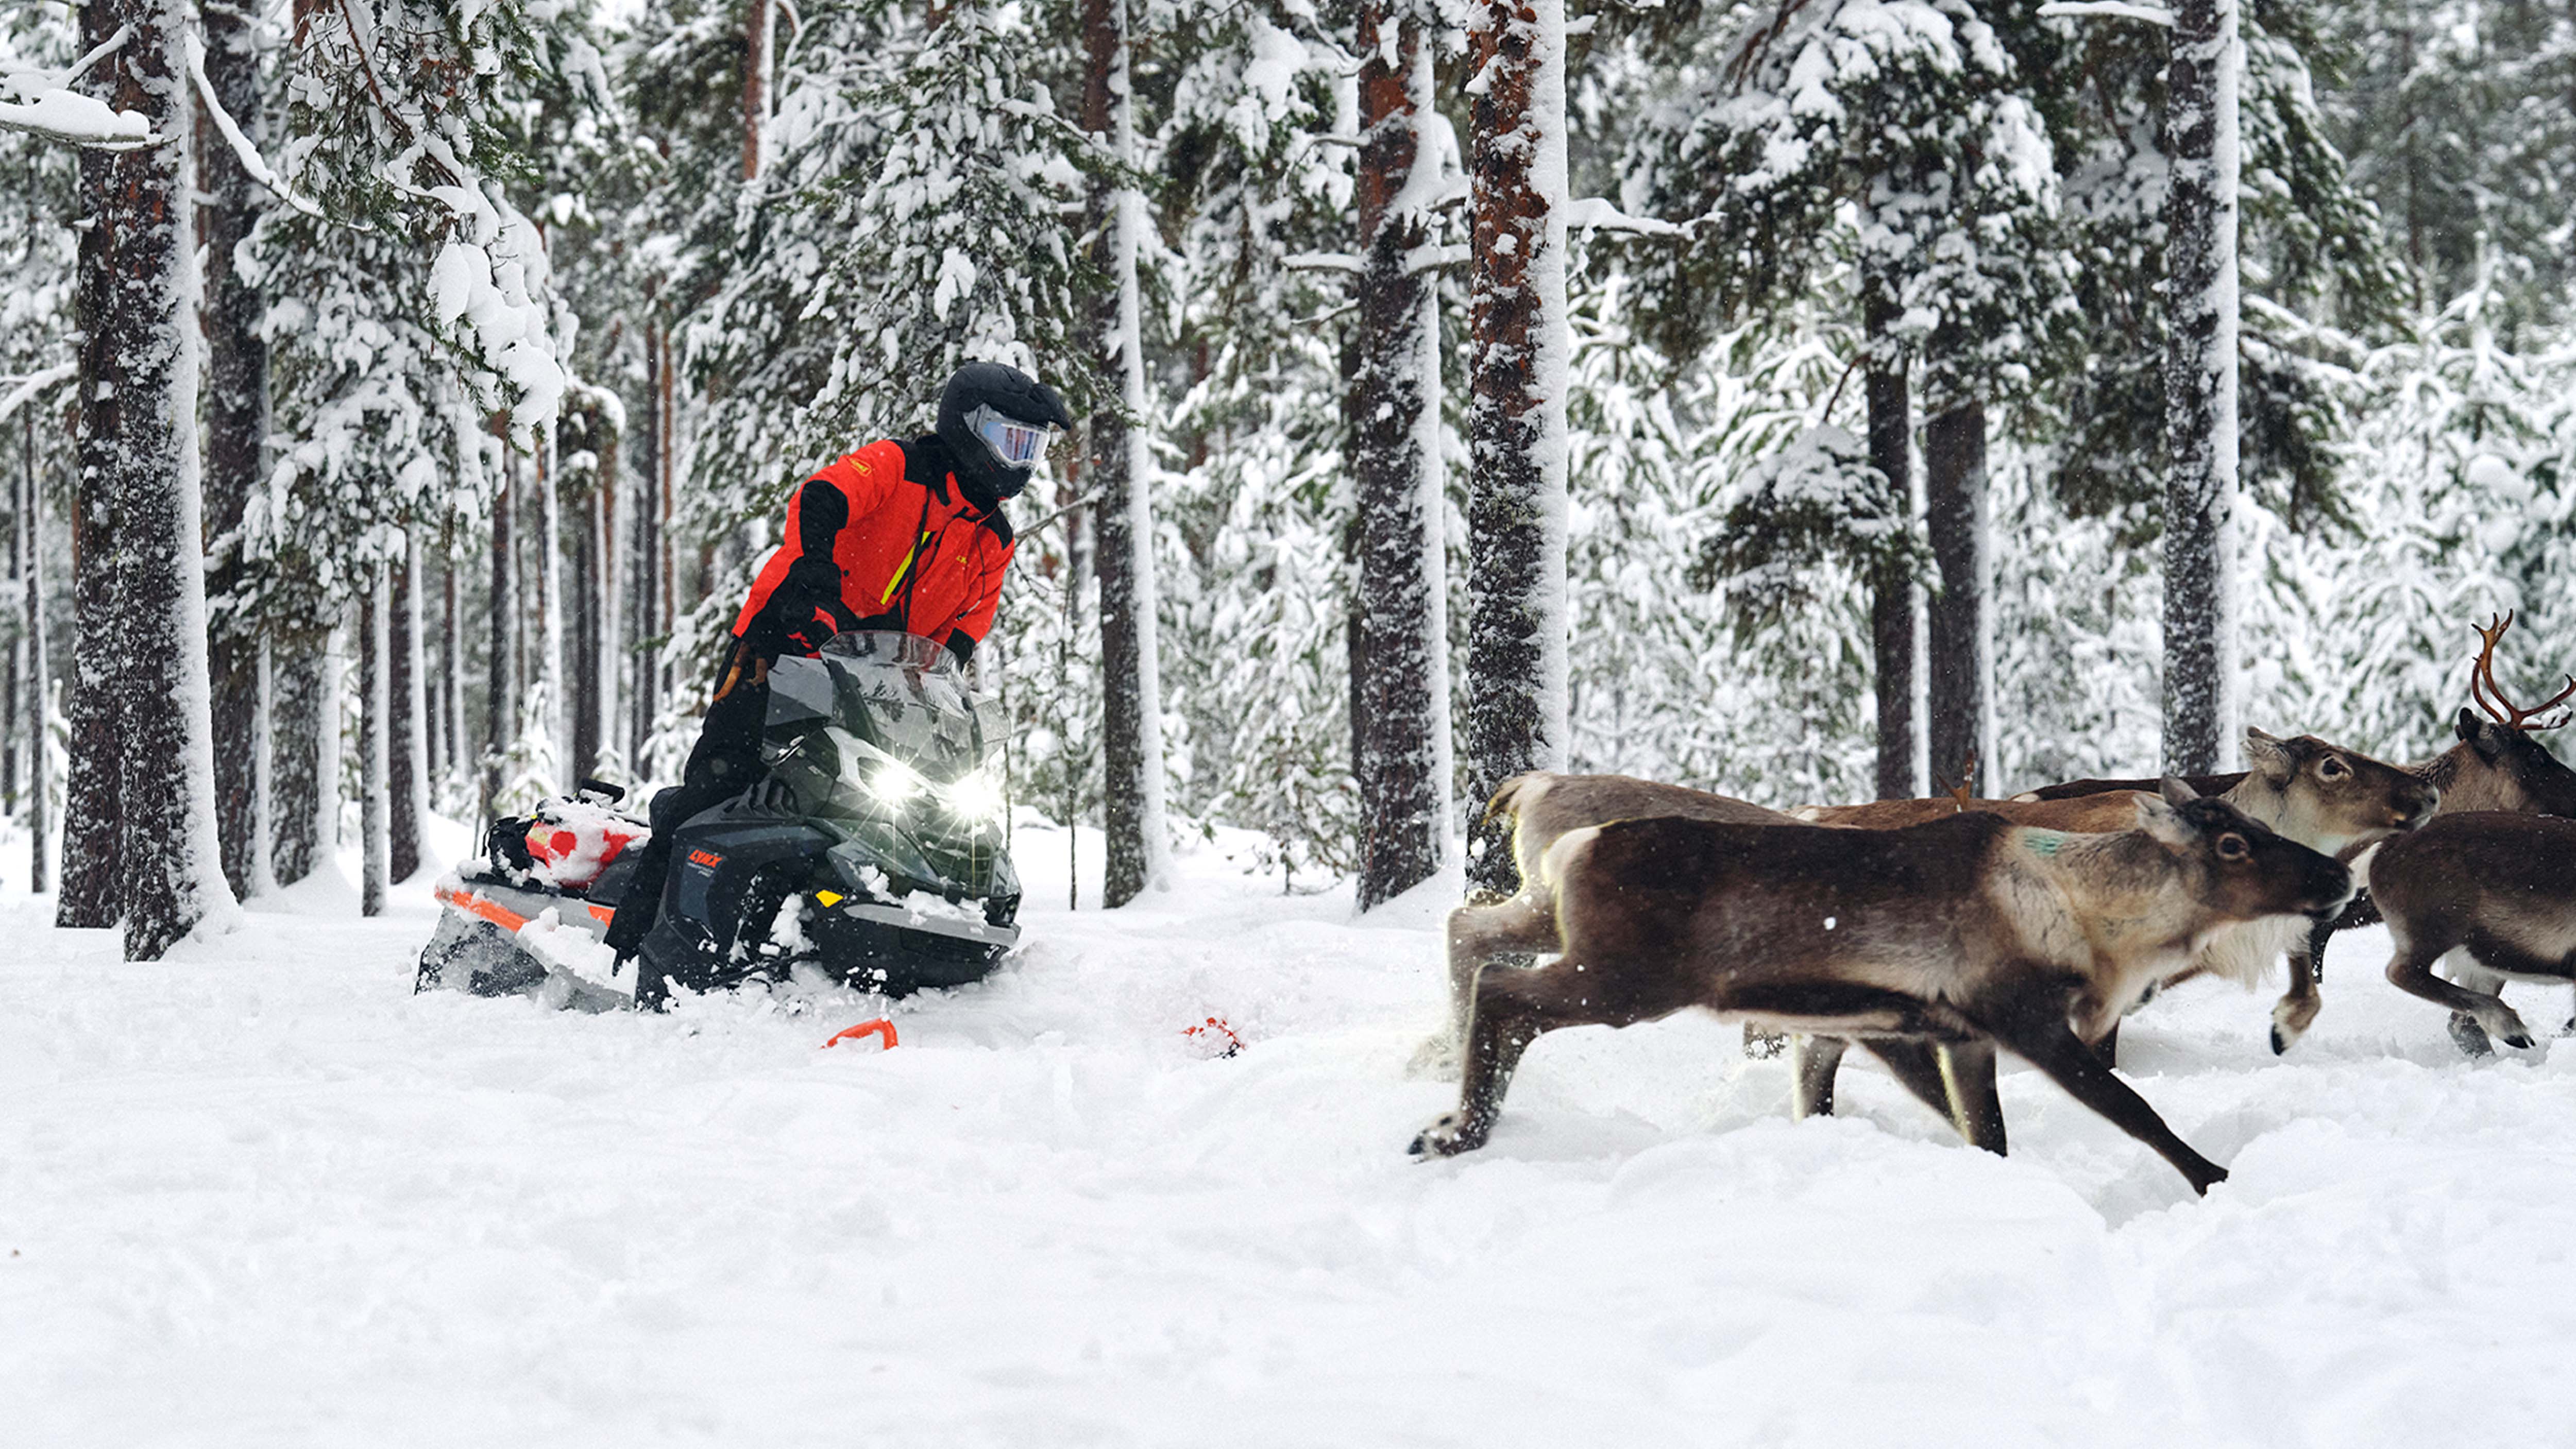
(1969, 932)
(2495, 893)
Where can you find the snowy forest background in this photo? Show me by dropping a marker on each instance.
(518, 320)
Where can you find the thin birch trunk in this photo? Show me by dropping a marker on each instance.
(501, 686)
(39, 694)
(550, 681)
(1516, 523)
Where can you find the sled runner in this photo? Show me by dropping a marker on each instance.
(872, 851)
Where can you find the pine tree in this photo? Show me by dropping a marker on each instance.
(1516, 523)
(147, 857)
(1400, 715)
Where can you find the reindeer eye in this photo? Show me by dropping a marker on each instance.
(2333, 769)
(2231, 846)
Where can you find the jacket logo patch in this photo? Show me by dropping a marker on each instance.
(706, 858)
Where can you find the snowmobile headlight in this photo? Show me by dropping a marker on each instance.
(978, 796)
(894, 782)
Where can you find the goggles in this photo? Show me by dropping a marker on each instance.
(1015, 443)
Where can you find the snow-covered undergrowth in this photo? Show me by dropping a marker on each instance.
(266, 1196)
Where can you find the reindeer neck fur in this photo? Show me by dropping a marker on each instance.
(2124, 916)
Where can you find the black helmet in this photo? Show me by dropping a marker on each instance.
(994, 419)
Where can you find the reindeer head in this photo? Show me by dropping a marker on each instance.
(2237, 867)
(2497, 764)
(2327, 797)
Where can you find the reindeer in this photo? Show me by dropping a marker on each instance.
(2323, 796)
(1969, 932)
(2493, 893)
(1543, 806)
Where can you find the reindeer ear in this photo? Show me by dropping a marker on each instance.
(2176, 790)
(2467, 724)
(2270, 756)
(2160, 819)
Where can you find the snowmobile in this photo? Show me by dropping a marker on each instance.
(872, 850)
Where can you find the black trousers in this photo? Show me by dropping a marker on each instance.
(724, 763)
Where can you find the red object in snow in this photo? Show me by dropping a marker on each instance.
(1215, 1033)
(879, 1027)
(575, 850)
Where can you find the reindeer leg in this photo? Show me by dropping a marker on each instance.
(1813, 1061)
(2106, 1047)
(1968, 1070)
(1927, 1069)
(2034, 1028)
(2297, 1009)
(1478, 937)
(1514, 1008)
(2475, 1014)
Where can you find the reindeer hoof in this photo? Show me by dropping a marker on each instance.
(1447, 1136)
(2280, 1043)
(2520, 1041)
(2201, 1185)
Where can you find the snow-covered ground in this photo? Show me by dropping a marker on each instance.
(265, 1196)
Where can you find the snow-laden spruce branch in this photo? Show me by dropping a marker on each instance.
(2108, 10)
(42, 103)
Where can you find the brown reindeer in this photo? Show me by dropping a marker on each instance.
(1971, 932)
(2323, 796)
(2494, 893)
(1543, 806)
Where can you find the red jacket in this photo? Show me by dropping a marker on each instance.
(908, 553)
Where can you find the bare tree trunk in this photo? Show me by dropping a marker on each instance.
(92, 856)
(405, 780)
(755, 89)
(642, 575)
(1516, 525)
(583, 684)
(1961, 656)
(40, 774)
(296, 715)
(605, 603)
(2200, 706)
(375, 812)
(138, 446)
(1131, 732)
(1404, 694)
(236, 423)
(21, 558)
(1891, 610)
(501, 693)
(550, 680)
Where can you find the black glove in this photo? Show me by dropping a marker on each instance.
(804, 611)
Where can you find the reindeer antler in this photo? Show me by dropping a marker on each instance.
(2491, 697)
(1959, 792)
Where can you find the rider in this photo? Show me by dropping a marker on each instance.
(903, 534)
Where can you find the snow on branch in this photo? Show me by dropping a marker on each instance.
(1322, 262)
(1596, 213)
(2109, 10)
(31, 387)
(232, 133)
(42, 103)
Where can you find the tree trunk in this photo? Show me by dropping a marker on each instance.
(1131, 734)
(583, 685)
(405, 747)
(1404, 695)
(93, 804)
(550, 682)
(755, 89)
(1891, 610)
(2200, 703)
(375, 798)
(1516, 525)
(236, 423)
(502, 687)
(645, 573)
(1961, 656)
(605, 604)
(21, 558)
(138, 448)
(296, 716)
(39, 693)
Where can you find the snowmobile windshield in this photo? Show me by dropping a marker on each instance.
(908, 697)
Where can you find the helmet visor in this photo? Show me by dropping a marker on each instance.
(1016, 444)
